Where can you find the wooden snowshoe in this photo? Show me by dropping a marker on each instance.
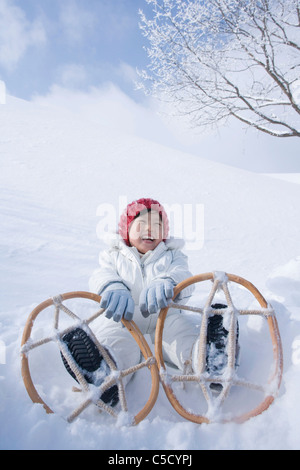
(229, 382)
(82, 356)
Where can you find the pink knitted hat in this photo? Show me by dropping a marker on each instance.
(134, 209)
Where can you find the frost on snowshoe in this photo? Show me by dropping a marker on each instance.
(216, 355)
(87, 356)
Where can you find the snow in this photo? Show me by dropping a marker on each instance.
(56, 169)
(291, 177)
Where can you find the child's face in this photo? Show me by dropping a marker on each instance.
(146, 232)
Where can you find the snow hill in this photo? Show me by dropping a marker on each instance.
(56, 169)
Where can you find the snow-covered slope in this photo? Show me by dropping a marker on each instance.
(57, 167)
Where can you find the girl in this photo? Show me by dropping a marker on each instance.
(135, 279)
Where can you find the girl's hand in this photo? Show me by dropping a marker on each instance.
(118, 304)
(156, 296)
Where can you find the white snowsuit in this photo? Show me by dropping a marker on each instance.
(122, 267)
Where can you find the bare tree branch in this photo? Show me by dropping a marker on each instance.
(226, 58)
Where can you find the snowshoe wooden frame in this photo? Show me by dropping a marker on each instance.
(229, 378)
(114, 378)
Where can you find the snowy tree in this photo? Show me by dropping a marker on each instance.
(220, 58)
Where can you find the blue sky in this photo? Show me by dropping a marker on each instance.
(75, 43)
(73, 50)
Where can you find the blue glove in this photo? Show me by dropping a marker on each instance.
(118, 304)
(156, 296)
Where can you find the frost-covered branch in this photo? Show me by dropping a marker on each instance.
(224, 58)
